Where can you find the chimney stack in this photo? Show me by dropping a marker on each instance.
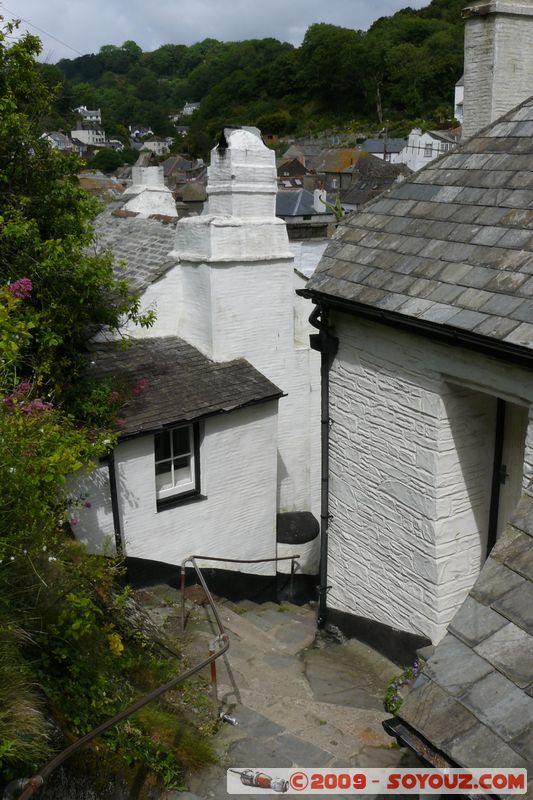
(498, 59)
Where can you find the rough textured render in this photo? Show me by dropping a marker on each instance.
(411, 453)
(474, 699)
(453, 245)
(179, 383)
(240, 224)
(237, 299)
(498, 60)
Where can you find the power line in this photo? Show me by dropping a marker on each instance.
(51, 36)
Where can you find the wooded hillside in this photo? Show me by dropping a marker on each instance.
(402, 69)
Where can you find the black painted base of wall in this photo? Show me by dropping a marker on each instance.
(233, 585)
(398, 646)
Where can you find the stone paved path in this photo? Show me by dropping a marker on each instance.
(299, 699)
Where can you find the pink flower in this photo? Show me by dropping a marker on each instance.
(21, 289)
(73, 521)
(120, 422)
(35, 406)
(22, 388)
(139, 387)
(114, 397)
(88, 504)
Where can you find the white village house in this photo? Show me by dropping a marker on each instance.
(219, 449)
(426, 332)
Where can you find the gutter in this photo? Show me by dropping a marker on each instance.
(326, 344)
(511, 353)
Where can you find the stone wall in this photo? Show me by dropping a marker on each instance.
(498, 61)
(410, 467)
(236, 518)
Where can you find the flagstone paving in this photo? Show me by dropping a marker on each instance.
(300, 699)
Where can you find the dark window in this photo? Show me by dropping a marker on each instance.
(177, 463)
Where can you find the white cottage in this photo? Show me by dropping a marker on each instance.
(219, 452)
(426, 330)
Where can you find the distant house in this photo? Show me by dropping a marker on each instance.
(58, 141)
(91, 117)
(334, 164)
(422, 148)
(370, 176)
(291, 168)
(304, 212)
(386, 149)
(305, 152)
(157, 145)
(459, 99)
(189, 109)
(89, 133)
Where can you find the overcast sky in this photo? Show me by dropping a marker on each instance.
(86, 25)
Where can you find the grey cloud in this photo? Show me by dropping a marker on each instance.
(86, 26)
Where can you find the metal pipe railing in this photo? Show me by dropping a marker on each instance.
(36, 781)
(193, 559)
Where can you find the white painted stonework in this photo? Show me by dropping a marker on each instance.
(149, 193)
(412, 446)
(498, 60)
(237, 518)
(231, 294)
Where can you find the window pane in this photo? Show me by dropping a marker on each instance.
(162, 445)
(182, 471)
(163, 477)
(181, 441)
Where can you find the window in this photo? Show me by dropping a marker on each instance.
(177, 464)
(428, 151)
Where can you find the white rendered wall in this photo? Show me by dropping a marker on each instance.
(238, 478)
(238, 301)
(93, 524)
(410, 432)
(498, 61)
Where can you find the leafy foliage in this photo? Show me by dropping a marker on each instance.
(69, 658)
(404, 67)
(46, 232)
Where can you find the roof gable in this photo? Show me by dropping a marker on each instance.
(453, 245)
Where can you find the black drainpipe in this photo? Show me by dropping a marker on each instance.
(114, 502)
(327, 345)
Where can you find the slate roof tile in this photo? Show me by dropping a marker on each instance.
(474, 208)
(510, 650)
(181, 383)
(495, 689)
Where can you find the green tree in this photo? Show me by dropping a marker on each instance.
(46, 230)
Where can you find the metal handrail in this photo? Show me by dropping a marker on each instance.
(36, 781)
(193, 559)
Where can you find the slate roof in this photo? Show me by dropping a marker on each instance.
(181, 383)
(296, 203)
(142, 245)
(473, 700)
(336, 160)
(370, 177)
(377, 145)
(452, 246)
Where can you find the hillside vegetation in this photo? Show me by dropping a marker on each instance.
(402, 69)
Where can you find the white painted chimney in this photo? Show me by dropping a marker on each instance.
(148, 193)
(498, 60)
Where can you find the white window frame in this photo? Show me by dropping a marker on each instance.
(428, 150)
(185, 488)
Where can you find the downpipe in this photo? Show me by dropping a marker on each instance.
(326, 344)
